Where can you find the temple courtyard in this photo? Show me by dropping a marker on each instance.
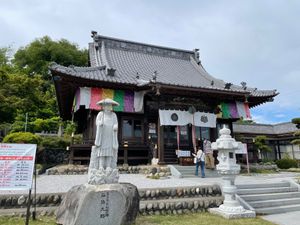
(53, 184)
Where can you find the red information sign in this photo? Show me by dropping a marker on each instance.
(16, 166)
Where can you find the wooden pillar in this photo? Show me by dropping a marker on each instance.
(125, 156)
(71, 156)
(279, 152)
(125, 145)
(160, 143)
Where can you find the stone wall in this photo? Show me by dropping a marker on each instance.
(157, 171)
(152, 201)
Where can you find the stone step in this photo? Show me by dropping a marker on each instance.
(265, 190)
(274, 202)
(189, 172)
(257, 197)
(263, 185)
(278, 209)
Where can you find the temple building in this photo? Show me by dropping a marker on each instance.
(279, 138)
(168, 101)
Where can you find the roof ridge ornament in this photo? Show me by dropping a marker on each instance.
(110, 71)
(244, 85)
(228, 85)
(197, 55)
(95, 36)
(154, 76)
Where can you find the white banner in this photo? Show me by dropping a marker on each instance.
(202, 119)
(174, 117)
(16, 166)
(181, 118)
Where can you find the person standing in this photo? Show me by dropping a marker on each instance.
(200, 161)
(209, 158)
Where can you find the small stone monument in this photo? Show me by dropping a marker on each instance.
(102, 200)
(227, 167)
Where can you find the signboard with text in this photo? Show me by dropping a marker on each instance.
(16, 166)
(242, 149)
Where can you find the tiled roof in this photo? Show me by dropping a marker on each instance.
(280, 128)
(136, 63)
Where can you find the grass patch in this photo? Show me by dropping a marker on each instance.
(297, 170)
(197, 219)
(186, 219)
(41, 220)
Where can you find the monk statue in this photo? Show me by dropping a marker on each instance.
(104, 155)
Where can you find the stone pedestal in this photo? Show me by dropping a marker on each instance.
(227, 167)
(99, 204)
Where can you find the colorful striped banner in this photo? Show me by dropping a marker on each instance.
(248, 115)
(225, 110)
(96, 96)
(118, 97)
(235, 110)
(129, 101)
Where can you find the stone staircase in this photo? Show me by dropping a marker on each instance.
(189, 171)
(271, 198)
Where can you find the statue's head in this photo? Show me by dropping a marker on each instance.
(107, 104)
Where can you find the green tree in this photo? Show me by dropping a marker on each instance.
(296, 141)
(20, 94)
(25, 84)
(35, 57)
(261, 143)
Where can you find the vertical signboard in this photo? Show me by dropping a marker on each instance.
(242, 149)
(16, 166)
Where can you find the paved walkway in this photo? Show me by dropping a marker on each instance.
(291, 218)
(62, 183)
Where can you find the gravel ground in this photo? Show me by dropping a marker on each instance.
(62, 183)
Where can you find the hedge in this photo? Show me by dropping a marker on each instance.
(287, 163)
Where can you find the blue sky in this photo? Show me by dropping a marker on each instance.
(256, 41)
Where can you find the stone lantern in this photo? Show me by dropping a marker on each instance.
(227, 167)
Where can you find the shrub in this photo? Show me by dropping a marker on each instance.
(22, 137)
(54, 142)
(287, 163)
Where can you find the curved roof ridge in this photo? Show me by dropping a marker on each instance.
(204, 73)
(102, 56)
(99, 37)
(93, 54)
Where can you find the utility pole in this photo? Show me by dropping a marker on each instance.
(26, 119)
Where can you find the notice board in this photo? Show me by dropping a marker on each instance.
(16, 166)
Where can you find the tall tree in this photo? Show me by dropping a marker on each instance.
(35, 57)
(26, 85)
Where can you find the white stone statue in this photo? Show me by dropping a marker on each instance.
(104, 155)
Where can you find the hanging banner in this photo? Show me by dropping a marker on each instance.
(129, 101)
(174, 117)
(205, 119)
(234, 110)
(182, 118)
(16, 166)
